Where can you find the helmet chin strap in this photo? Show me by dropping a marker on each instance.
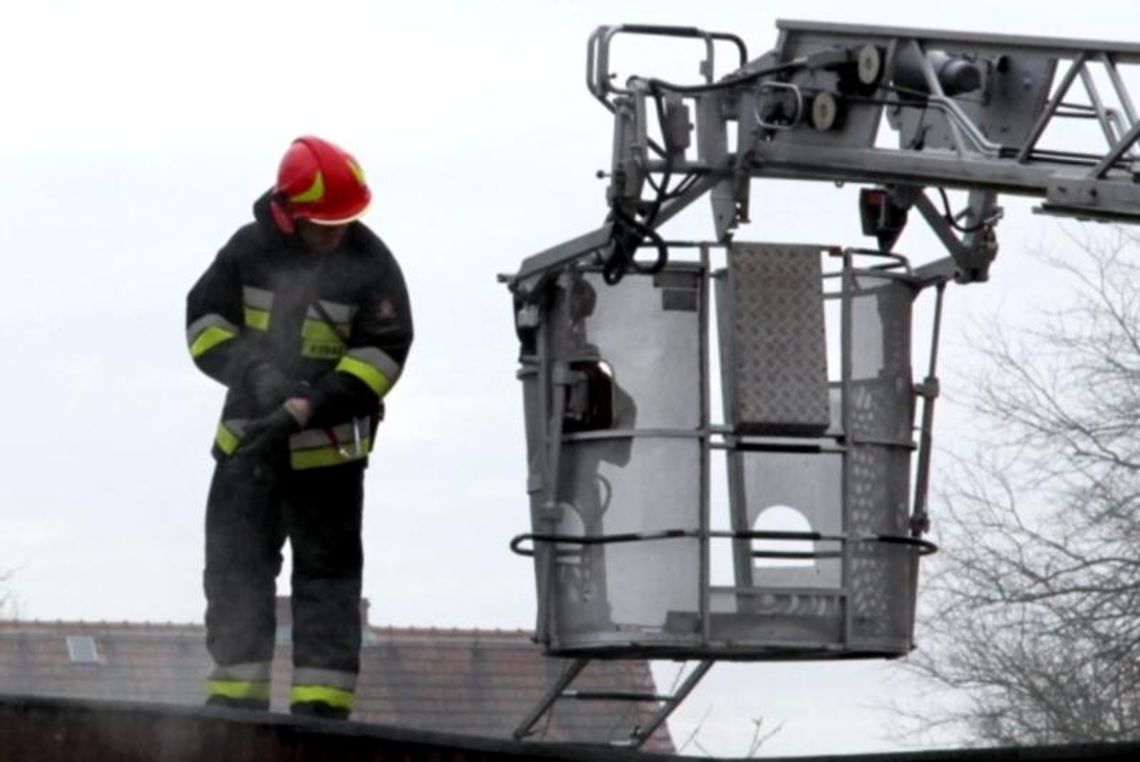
(279, 207)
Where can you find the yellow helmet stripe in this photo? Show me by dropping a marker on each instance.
(357, 172)
(315, 192)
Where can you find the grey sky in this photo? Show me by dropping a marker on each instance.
(137, 134)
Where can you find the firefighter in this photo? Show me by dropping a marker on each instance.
(305, 318)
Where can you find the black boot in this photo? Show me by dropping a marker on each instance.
(319, 709)
(256, 705)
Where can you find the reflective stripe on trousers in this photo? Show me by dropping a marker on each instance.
(254, 507)
(327, 686)
(257, 690)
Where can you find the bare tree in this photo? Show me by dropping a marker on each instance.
(760, 736)
(8, 607)
(1032, 617)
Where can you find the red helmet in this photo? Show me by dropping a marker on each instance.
(320, 182)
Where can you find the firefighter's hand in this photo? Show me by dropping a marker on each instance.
(265, 433)
(301, 408)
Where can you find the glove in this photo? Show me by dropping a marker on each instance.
(264, 433)
(269, 386)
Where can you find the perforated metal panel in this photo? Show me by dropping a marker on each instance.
(818, 468)
(882, 410)
(639, 474)
(859, 491)
(775, 357)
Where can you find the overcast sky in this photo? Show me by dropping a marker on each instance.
(135, 137)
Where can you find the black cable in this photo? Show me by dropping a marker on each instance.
(909, 97)
(949, 216)
(725, 84)
(662, 254)
(628, 236)
(659, 105)
(629, 233)
(617, 262)
(923, 547)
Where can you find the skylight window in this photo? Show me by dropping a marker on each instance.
(81, 649)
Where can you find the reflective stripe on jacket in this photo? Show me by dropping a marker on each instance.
(337, 323)
(311, 448)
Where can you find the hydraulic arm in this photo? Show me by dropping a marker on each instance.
(987, 114)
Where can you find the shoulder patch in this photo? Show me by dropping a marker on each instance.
(386, 310)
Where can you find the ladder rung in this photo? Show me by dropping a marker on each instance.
(641, 732)
(614, 696)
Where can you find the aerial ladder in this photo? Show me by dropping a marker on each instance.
(622, 331)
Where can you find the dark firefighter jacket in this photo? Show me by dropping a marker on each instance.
(338, 324)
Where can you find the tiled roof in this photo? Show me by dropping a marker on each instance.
(476, 682)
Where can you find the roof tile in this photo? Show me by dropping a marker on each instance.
(479, 682)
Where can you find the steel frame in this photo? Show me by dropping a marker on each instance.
(1100, 184)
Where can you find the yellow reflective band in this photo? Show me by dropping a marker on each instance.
(208, 339)
(325, 695)
(318, 350)
(375, 380)
(322, 457)
(319, 330)
(255, 318)
(238, 689)
(315, 192)
(340, 314)
(320, 340)
(226, 440)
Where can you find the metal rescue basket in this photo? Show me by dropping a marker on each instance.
(808, 546)
(821, 530)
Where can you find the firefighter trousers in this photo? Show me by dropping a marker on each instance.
(253, 507)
